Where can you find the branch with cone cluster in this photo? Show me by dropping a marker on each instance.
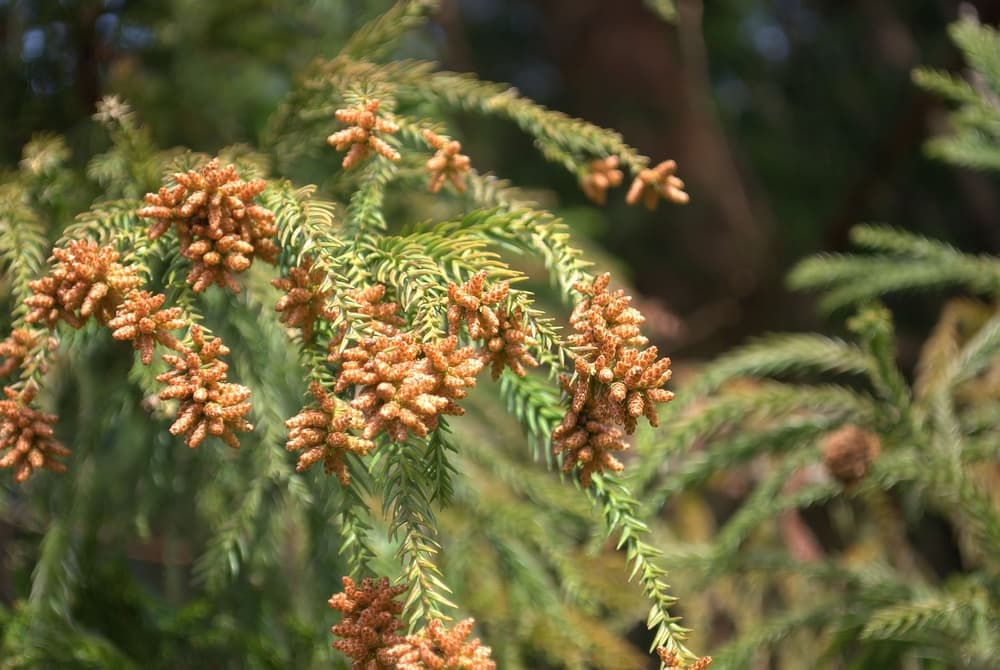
(375, 382)
(616, 381)
(361, 137)
(368, 634)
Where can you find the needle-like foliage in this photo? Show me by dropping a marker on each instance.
(260, 360)
(840, 459)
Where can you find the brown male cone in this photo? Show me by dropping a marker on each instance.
(219, 227)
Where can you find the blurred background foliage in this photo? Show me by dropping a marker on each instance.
(792, 120)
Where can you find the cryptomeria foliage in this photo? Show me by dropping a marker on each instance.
(842, 460)
(974, 139)
(311, 296)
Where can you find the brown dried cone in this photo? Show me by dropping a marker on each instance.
(437, 648)
(141, 320)
(651, 184)
(477, 305)
(446, 163)
(27, 436)
(370, 621)
(85, 280)
(406, 386)
(209, 405)
(304, 301)
(361, 137)
(601, 175)
(322, 434)
(848, 452)
(15, 350)
(608, 340)
(671, 662)
(220, 228)
(507, 348)
(587, 436)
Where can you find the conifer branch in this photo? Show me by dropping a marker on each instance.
(573, 138)
(207, 226)
(973, 141)
(535, 404)
(23, 245)
(378, 37)
(56, 572)
(937, 614)
(531, 231)
(979, 353)
(422, 263)
(874, 327)
(131, 166)
(730, 451)
(519, 476)
(780, 354)
(620, 512)
(537, 559)
(776, 405)
(504, 517)
(115, 223)
(399, 471)
(907, 263)
(310, 226)
(440, 470)
(354, 523)
(957, 494)
(364, 212)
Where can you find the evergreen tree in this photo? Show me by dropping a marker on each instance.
(338, 300)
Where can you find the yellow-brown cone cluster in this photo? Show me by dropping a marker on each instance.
(508, 347)
(446, 163)
(15, 349)
(587, 437)
(219, 227)
(369, 629)
(85, 280)
(382, 316)
(654, 183)
(616, 381)
(437, 648)
(209, 405)
(304, 301)
(601, 175)
(26, 435)
(322, 433)
(481, 308)
(140, 320)
(671, 662)
(404, 386)
(369, 623)
(361, 137)
(399, 387)
(477, 305)
(848, 452)
(373, 313)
